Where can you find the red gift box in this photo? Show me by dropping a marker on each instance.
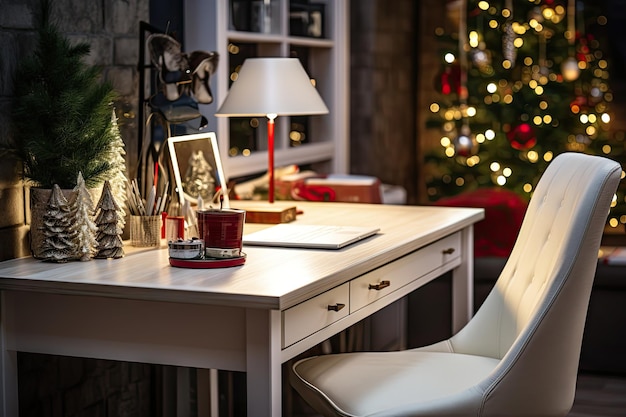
(339, 188)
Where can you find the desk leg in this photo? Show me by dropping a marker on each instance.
(463, 282)
(263, 365)
(8, 365)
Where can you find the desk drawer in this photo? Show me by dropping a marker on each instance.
(376, 284)
(312, 315)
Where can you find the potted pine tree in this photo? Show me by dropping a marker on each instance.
(61, 116)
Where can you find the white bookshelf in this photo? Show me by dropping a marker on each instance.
(208, 26)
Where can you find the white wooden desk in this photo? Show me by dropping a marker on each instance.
(249, 318)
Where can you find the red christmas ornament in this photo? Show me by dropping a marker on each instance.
(579, 101)
(522, 137)
(451, 79)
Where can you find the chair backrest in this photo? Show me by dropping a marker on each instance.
(534, 317)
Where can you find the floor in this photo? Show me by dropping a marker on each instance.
(596, 396)
(599, 396)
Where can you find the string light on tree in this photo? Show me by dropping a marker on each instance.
(570, 69)
(465, 144)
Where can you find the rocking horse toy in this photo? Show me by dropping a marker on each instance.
(182, 83)
(183, 79)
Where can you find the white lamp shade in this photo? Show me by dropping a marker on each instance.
(272, 86)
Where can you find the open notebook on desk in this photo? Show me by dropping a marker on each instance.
(309, 236)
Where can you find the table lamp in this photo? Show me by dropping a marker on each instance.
(272, 87)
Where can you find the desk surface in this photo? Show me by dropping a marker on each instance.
(272, 278)
(140, 309)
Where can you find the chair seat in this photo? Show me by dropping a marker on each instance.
(364, 383)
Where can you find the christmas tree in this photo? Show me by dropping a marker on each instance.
(521, 81)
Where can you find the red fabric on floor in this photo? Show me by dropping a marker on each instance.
(504, 212)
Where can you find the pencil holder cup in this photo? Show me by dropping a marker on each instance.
(145, 231)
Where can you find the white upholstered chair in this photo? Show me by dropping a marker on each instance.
(518, 356)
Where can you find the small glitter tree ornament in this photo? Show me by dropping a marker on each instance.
(509, 51)
(84, 226)
(59, 244)
(108, 220)
(117, 159)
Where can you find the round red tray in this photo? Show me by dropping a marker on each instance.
(208, 263)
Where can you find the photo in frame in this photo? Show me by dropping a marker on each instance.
(198, 169)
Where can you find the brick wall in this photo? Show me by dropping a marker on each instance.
(386, 47)
(383, 86)
(384, 142)
(54, 385)
(111, 28)
(63, 386)
(15, 23)
(393, 65)
(432, 16)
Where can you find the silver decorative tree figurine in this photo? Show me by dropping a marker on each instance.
(108, 220)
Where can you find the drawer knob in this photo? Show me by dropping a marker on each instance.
(336, 307)
(380, 285)
(448, 251)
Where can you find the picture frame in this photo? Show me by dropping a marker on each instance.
(198, 170)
